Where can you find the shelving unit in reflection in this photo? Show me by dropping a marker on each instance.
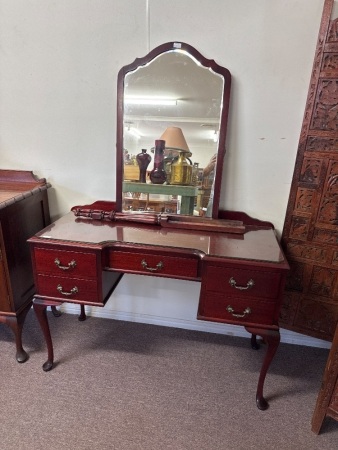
(187, 194)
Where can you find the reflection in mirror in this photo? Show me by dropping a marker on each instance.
(172, 114)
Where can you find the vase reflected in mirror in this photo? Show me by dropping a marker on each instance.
(158, 175)
(181, 171)
(143, 159)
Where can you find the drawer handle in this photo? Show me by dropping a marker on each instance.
(249, 284)
(73, 290)
(231, 310)
(159, 266)
(71, 265)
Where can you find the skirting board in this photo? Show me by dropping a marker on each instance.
(287, 336)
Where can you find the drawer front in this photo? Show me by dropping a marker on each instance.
(68, 289)
(239, 311)
(159, 265)
(65, 263)
(242, 282)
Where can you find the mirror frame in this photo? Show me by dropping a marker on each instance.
(207, 63)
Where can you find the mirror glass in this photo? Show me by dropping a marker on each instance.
(172, 113)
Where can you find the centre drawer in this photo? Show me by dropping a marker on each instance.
(154, 264)
(242, 282)
(65, 263)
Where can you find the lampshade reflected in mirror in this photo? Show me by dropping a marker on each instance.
(175, 140)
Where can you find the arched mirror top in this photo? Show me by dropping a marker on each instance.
(178, 99)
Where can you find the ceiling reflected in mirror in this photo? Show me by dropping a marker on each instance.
(173, 90)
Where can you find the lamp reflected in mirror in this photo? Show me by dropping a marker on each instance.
(175, 140)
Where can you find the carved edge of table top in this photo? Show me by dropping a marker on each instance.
(22, 195)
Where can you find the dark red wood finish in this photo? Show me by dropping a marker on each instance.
(82, 260)
(73, 273)
(159, 261)
(23, 211)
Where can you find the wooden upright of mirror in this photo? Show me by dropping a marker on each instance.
(176, 97)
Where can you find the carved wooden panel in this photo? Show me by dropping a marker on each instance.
(327, 400)
(310, 235)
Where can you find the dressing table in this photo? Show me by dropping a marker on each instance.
(237, 260)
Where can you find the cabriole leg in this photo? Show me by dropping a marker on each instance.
(40, 308)
(272, 338)
(16, 325)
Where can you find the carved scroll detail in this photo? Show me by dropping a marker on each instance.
(325, 115)
(307, 252)
(333, 31)
(310, 170)
(325, 236)
(299, 227)
(322, 281)
(304, 200)
(321, 144)
(317, 316)
(330, 62)
(312, 88)
(328, 210)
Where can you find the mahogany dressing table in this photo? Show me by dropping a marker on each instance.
(81, 260)
(82, 256)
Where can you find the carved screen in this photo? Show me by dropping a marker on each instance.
(310, 234)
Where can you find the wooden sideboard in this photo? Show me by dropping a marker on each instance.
(23, 211)
(242, 276)
(327, 401)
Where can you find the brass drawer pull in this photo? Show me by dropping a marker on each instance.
(73, 291)
(249, 284)
(71, 265)
(159, 266)
(231, 310)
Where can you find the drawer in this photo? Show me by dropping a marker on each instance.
(158, 265)
(243, 282)
(68, 289)
(65, 263)
(238, 311)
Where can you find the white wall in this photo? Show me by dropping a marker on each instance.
(58, 69)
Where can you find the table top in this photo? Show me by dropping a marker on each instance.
(16, 185)
(256, 244)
